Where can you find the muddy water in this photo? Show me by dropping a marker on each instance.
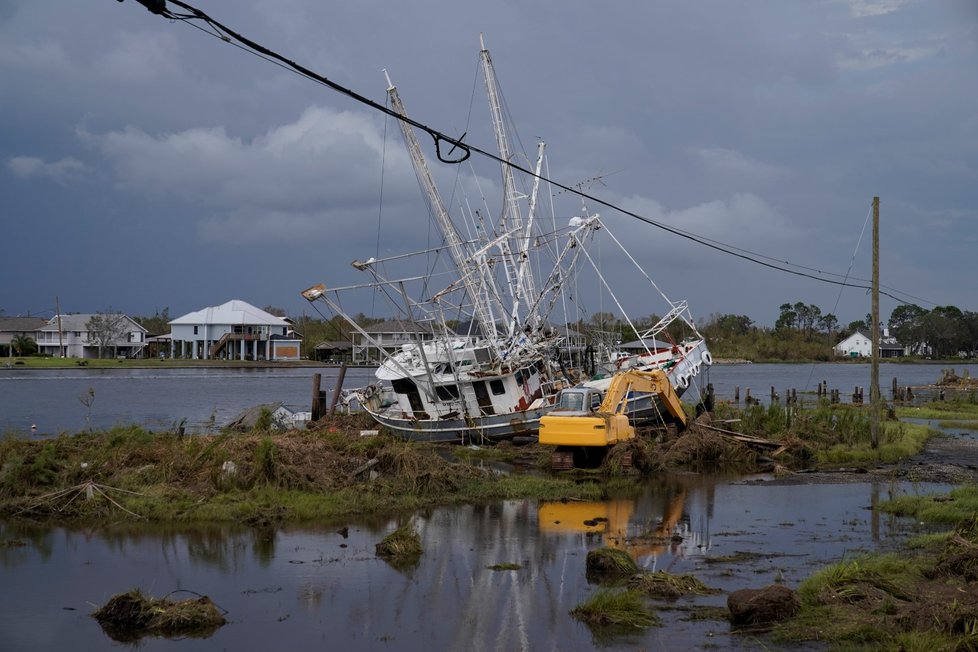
(313, 587)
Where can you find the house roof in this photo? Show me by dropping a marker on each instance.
(235, 312)
(328, 345)
(21, 324)
(79, 322)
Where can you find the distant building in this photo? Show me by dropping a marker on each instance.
(859, 345)
(78, 336)
(334, 351)
(235, 330)
(13, 327)
(389, 336)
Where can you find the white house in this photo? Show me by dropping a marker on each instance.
(91, 335)
(233, 330)
(857, 345)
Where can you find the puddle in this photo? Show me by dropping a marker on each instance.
(324, 586)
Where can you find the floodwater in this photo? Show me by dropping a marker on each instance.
(207, 398)
(314, 588)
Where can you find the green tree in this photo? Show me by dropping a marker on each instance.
(944, 331)
(23, 345)
(906, 325)
(158, 324)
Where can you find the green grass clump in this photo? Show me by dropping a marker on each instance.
(402, 547)
(665, 585)
(609, 564)
(506, 566)
(617, 609)
(897, 441)
(948, 508)
(958, 425)
(955, 410)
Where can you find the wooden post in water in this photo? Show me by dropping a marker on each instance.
(336, 392)
(874, 382)
(896, 389)
(317, 403)
(737, 394)
(774, 395)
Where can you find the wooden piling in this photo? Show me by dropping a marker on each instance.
(336, 391)
(737, 394)
(317, 402)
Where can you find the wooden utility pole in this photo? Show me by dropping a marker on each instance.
(874, 381)
(61, 334)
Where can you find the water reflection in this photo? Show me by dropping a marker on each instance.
(312, 586)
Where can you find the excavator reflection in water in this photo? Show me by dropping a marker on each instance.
(611, 520)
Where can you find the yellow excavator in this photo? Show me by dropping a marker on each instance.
(585, 424)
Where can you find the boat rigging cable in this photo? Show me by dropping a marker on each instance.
(441, 140)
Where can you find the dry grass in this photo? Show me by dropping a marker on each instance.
(130, 616)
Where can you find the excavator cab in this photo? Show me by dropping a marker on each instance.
(586, 423)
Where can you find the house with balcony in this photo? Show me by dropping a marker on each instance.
(91, 336)
(235, 330)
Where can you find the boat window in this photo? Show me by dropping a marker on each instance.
(519, 377)
(403, 386)
(497, 387)
(483, 355)
(447, 392)
(595, 401)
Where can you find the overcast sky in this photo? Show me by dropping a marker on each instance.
(145, 164)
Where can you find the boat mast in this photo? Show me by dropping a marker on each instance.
(521, 285)
(467, 268)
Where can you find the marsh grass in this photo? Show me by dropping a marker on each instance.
(958, 425)
(401, 548)
(609, 608)
(959, 409)
(297, 475)
(604, 565)
(506, 566)
(950, 508)
(660, 584)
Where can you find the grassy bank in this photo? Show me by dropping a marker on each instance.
(331, 472)
(924, 598)
(255, 477)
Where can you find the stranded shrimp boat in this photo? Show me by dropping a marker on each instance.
(487, 360)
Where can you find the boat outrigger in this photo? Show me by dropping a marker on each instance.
(490, 356)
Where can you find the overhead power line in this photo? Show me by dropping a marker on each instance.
(465, 150)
